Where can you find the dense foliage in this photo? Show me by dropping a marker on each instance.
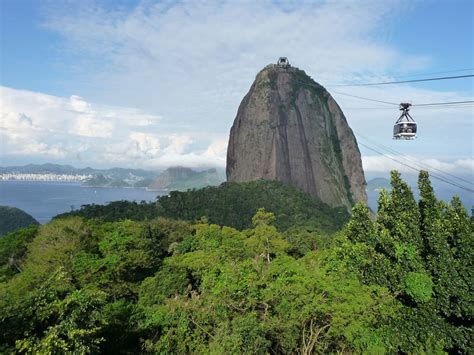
(399, 283)
(12, 218)
(230, 204)
(117, 211)
(423, 253)
(13, 249)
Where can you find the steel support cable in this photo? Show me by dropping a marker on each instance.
(402, 163)
(418, 75)
(391, 103)
(366, 98)
(416, 169)
(445, 103)
(420, 164)
(427, 107)
(409, 81)
(435, 73)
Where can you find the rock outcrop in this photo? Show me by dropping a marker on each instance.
(289, 128)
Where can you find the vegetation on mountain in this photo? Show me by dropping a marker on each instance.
(117, 211)
(230, 204)
(399, 283)
(12, 218)
(13, 248)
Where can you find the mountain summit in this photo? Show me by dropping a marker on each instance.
(289, 128)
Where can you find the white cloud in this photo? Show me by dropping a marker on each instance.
(79, 104)
(145, 144)
(178, 143)
(187, 65)
(17, 125)
(72, 130)
(89, 126)
(217, 150)
(194, 61)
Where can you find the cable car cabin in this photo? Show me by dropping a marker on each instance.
(404, 130)
(405, 127)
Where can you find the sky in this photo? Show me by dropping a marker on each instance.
(151, 84)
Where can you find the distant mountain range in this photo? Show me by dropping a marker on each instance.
(174, 178)
(114, 173)
(378, 183)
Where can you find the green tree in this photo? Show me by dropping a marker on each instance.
(416, 253)
(240, 292)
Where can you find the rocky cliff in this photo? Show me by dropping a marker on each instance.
(289, 128)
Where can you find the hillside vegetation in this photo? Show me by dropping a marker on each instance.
(230, 204)
(12, 218)
(400, 283)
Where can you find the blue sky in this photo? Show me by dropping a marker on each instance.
(151, 84)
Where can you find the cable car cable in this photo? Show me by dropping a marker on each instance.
(387, 102)
(417, 75)
(389, 108)
(445, 103)
(420, 164)
(392, 103)
(416, 169)
(410, 81)
(434, 73)
(367, 99)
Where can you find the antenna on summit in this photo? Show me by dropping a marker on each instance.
(283, 62)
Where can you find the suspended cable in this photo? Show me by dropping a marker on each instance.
(448, 181)
(416, 169)
(422, 107)
(418, 105)
(446, 103)
(390, 103)
(437, 72)
(418, 75)
(365, 98)
(420, 164)
(410, 81)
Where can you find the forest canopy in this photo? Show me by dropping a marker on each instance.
(399, 282)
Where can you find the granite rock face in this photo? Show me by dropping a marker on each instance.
(289, 128)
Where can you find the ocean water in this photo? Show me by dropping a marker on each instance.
(44, 200)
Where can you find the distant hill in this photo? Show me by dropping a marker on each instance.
(182, 179)
(12, 218)
(114, 177)
(101, 181)
(230, 204)
(379, 183)
(234, 204)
